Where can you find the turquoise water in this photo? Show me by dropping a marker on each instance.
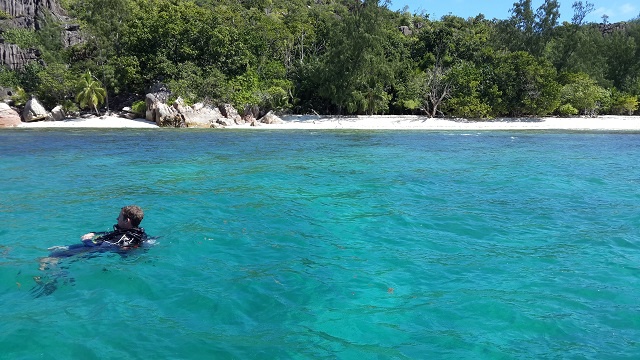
(321, 244)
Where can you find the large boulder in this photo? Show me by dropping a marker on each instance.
(271, 118)
(405, 30)
(250, 113)
(34, 111)
(151, 104)
(8, 116)
(231, 113)
(179, 105)
(158, 94)
(225, 122)
(201, 116)
(57, 113)
(166, 116)
(198, 115)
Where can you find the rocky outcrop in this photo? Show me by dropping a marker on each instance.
(197, 116)
(28, 13)
(231, 113)
(201, 116)
(15, 57)
(608, 29)
(71, 35)
(8, 116)
(34, 111)
(250, 114)
(166, 116)
(405, 30)
(158, 111)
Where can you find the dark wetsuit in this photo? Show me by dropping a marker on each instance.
(118, 239)
(123, 238)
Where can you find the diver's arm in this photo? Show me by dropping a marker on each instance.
(91, 239)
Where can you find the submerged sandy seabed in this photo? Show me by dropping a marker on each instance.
(382, 122)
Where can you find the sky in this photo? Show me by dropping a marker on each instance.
(617, 10)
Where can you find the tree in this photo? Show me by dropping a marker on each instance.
(357, 70)
(470, 92)
(55, 84)
(528, 85)
(623, 104)
(580, 12)
(437, 89)
(452, 39)
(573, 36)
(547, 17)
(527, 30)
(91, 93)
(523, 18)
(622, 63)
(582, 93)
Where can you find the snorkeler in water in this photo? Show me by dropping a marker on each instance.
(127, 234)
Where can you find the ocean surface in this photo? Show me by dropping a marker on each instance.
(323, 245)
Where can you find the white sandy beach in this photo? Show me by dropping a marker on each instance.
(93, 122)
(383, 122)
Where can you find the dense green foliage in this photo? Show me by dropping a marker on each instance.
(339, 57)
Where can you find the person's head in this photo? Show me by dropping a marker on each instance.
(130, 217)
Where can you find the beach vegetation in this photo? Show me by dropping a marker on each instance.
(527, 85)
(69, 107)
(139, 107)
(471, 92)
(623, 103)
(408, 94)
(20, 97)
(584, 94)
(337, 57)
(54, 84)
(567, 110)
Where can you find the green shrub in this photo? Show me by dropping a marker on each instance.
(69, 107)
(139, 107)
(8, 78)
(584, 94)
(22, 37)
(20, 97)
(624, 104)
(275, 98)
(4, 15)
(567, 110)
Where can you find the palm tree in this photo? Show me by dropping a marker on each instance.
(91, 94)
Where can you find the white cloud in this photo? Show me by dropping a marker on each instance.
(622, 12)
(597, 13)
(628, 10)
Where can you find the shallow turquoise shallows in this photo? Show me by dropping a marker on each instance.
(323, 245)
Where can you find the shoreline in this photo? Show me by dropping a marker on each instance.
(380, 122)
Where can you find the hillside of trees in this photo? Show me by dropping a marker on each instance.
(337, 57)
